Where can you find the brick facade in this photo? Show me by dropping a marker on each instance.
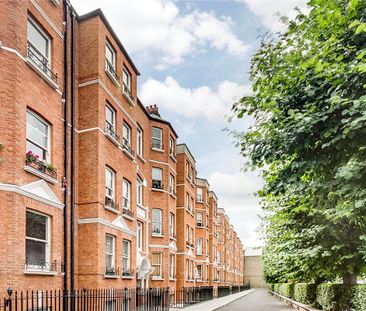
(135, 197)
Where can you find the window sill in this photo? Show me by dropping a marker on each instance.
(141, 158)
(33, 171)
(115, 81)
(172, 280)
(173, 158)
(158, 235)
(129, 99)
(158, 149)
(41, 73)
(116, 276)
(40, 272)
(157, 190)
(173, 195)
(157, 278)
(127, 277)
(128, 154)
(111, 209)
(55, 2)
(112, 139)
(128, 217)
(173, 239)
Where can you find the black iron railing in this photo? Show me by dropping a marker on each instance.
(127, 212)
(127, 91)
(110, 203)
(110, 130)
(40, 61)
(42, 167)
(40, 265)
(111, 70)
(127, 146)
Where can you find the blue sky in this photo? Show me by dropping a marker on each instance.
(194, 59)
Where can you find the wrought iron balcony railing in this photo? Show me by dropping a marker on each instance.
(111, 70)
(40, 265)
(127, 91)
(127, 146)
(110, 203)
(40, 61)
(110, 130)
(41, 166)
(127, 212)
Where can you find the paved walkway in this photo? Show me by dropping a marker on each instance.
(258, 300)
(215, 303)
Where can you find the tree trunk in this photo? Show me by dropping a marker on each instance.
(349, 278)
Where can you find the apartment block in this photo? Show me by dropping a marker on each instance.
(95, 190)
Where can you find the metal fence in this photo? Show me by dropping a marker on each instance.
(152, 299)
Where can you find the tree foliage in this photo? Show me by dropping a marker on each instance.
(309, 140)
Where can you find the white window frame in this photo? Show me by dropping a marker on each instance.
(171, 184)
(160, 170)
(187, 269)
(139, 191)
(139, 236)
(112, 190)
(171, 265)
(113, 253)
(157, 266)
(187, 201)
(171, 147)
(171, 224)
(127, 74)
(157, 139)
(191, 236)
(46, 149)
(113, 63)
(140, 141)
(47, 242)
(45, 36)
(200, 195)
(199, 219)
(126, 257)
(199, 275)
(187, 233)
(111, 124)
(199, 246)
(126, 134)
(126, 194)
(158, 223)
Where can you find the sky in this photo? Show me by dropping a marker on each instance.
(194, 59)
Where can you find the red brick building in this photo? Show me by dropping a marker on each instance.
(96, 192)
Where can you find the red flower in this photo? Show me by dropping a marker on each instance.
(29, 153)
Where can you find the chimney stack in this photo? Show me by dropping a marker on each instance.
(153, 109)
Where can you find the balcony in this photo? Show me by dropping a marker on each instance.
(40, 168)
(127, 212)
(128, 94)
(111, 134)
(41, 65)
(199, 198)
(109, 203)
(111, 72)
(157, 145)
(40, 266)
(157, 184)
(126, 146)
(128, 273)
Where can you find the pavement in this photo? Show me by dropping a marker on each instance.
(215, 303)
(257, 300)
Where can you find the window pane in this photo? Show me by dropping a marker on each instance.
(37, 130)
(109, 54)
(37, 39)
(126, 78)
(157, 174)
(109, 244)
(35, 252)
(156, 133)
(36, 150)
(109, 115)
(36, 226)
(126, 133)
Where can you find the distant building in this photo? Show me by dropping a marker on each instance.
(253, 267)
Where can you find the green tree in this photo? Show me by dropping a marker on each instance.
(309, 140)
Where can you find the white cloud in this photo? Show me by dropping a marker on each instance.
(236, 195)
(269, 11)
(157, 25)
(202, 101)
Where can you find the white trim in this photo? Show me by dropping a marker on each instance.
(158, 246)
(36, 172)
(47, 19)
(39, 272)
(24, 192)
(164, 163)
(104, 222)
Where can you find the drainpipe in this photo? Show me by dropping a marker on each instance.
(72, 154)
(66, 164)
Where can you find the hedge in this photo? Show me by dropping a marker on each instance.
(286, 289)
(271, 287)
(305, 293)
(334, 297)
(359, 298)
